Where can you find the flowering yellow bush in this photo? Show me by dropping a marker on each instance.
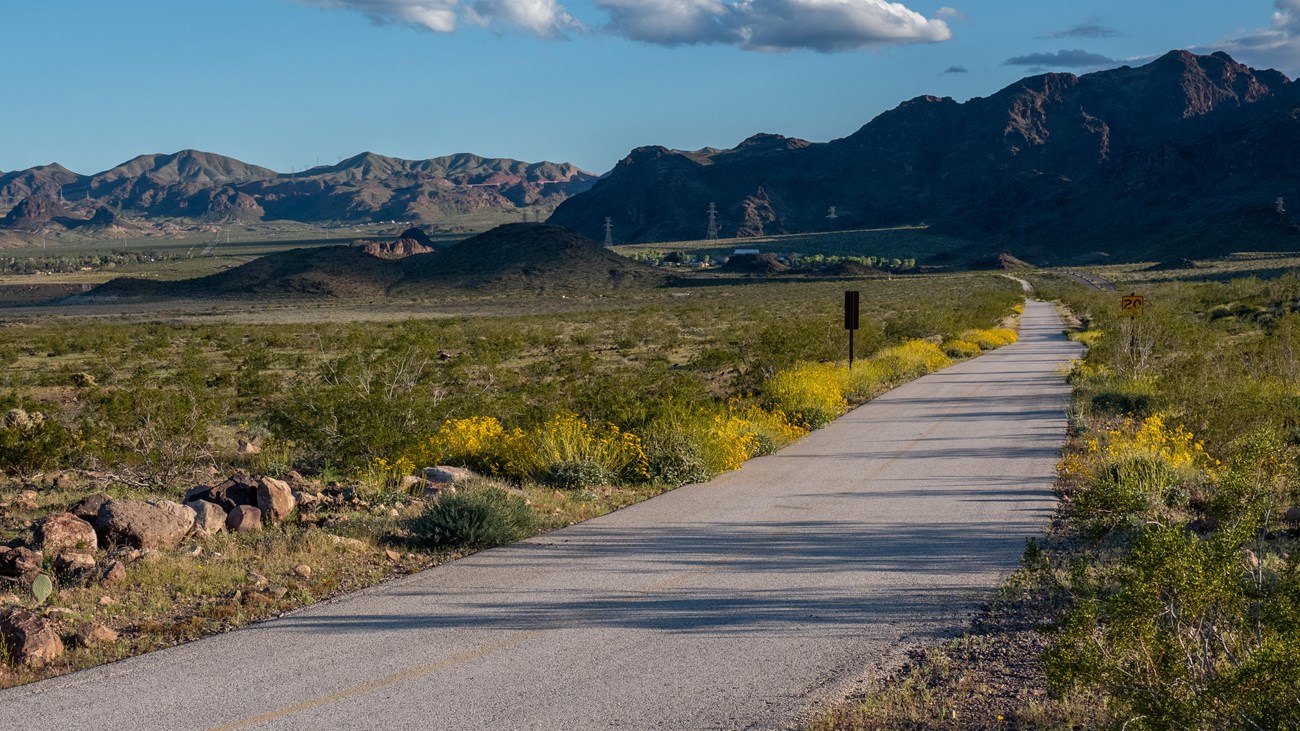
(912, 359)
(1153, 437)
(812, 393)
(478, 442)
(961, 349)
(772, 429)
(732, 443)
(483, 444)
(991, 338)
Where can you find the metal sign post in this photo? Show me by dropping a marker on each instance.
(851, 319)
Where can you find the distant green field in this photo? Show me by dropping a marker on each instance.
(902, 242)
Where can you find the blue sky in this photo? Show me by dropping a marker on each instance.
(290, 83)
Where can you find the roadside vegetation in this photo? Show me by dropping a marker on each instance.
(1167, 596)
(561, 418)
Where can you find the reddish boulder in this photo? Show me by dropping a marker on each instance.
(244, 519)
(59, 531)
(29, 639)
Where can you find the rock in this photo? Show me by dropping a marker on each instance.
(256, 579)
(183, 513)
(60, 614)
(411, 484)
(150, 555)
(29, 639)
(438, 489)
(349, 543)
(26, 500)
(231, 494)
(193, 551)
(9, 600)
(244, 519)
(88, 508)
(1293, 515)
(447, 475)
(209, 518)
(21, 563)
(302, 570)
(78, 567)
(306, 500)
(196, 493)
(63, 481)
(59, 531)
(114, 571)
(393, 555)
(159, 525)
(248, 448)
(94, 634)
(274, 499)
(278, 592)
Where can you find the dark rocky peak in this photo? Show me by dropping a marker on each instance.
(33, 211)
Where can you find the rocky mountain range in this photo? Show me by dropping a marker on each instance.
(1187, 155)
(203, 186)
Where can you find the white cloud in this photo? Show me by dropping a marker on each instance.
(435, 15)
(954, 13)
(1277, 46)
(773, 25)
(760, 25)
(545, 18)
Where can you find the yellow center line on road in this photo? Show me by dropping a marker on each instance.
(383, 682)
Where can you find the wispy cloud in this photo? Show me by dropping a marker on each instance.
(545, 18)
(1065, 59)
(1277, 46)
(956, 70)
(758, 25)
(1086, 30)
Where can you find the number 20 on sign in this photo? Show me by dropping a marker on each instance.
(1131, 305)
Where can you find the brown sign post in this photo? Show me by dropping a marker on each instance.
(851, 319)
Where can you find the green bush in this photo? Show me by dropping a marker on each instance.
(1125, 489)
(30, 442)
(480, 518)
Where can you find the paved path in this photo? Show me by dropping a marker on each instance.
(731, 605)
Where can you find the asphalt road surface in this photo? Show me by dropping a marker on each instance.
(739, 604)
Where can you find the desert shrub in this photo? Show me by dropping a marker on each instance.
(1129, 397)
(158, 428)
(480, 518)
(693, 442)
(566, 438)
(31, 442)
(576, 475)
(812, 393)
(961, 349)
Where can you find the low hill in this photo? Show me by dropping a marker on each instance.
(533, 254)
(520, 256)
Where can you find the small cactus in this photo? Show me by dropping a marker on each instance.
(42, 588)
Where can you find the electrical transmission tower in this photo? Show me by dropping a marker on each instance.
(609, 231)
(712, 234)
(831, 214)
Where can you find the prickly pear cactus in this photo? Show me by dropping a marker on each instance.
(42, 588)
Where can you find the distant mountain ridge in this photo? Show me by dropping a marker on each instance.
(208, 187)
(1186, 155)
